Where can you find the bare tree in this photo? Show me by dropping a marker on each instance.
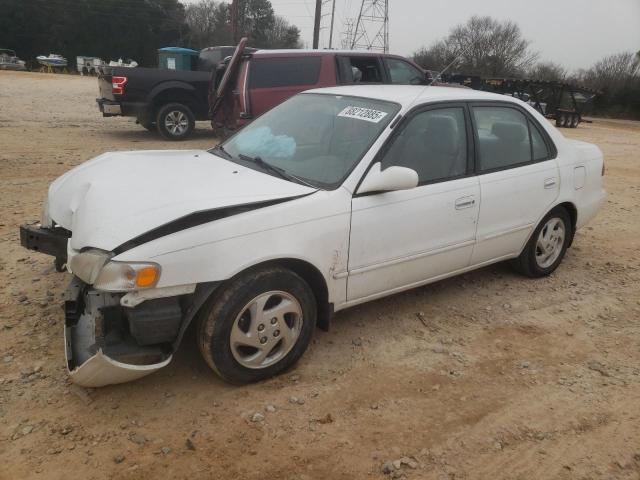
(435, 57)
(617, 79)
(549, 71)
(283, 34)
(613, 73)
(209, 23)
(482, 46)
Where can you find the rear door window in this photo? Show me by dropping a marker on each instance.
(284, 72)
(503, 137)
(540, 150)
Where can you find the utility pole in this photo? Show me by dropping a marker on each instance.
(316, 24)
(234, 21)
(333, 14)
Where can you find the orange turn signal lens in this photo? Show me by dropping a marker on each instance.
(147, 277)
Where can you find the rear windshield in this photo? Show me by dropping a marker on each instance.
(317, 138)
(284, 72)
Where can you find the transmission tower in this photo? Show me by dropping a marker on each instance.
(347, 34)
(372, 26)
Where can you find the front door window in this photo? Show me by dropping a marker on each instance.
(402, 72)
(433, 143)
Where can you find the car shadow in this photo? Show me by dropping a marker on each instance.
(139, 134)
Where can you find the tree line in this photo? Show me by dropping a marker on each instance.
(487, 47)
(112, 29)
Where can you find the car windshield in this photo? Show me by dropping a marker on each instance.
(311, 138)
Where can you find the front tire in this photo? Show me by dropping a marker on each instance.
(175, 121)
(258, 326)
(547, 246)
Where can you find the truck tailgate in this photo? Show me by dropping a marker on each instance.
(104, 85)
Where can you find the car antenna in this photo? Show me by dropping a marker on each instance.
(455, 60)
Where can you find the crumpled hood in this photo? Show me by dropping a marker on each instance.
(119, 195)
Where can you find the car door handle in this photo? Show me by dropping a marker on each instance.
(465, 202)
(549, 183)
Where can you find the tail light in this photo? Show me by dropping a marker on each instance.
(117, 85)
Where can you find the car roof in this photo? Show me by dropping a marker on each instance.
(407, 95)
(308, 52)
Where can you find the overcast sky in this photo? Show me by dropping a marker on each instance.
(575, 33)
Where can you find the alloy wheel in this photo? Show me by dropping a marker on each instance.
(266, 329)
(176, 122)
(550, 242)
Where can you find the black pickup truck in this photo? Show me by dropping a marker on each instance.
(169, 101)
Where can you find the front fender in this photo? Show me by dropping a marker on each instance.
(312, 229)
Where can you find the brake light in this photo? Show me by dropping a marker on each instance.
(117, 85)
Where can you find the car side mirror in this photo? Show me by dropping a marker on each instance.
(388, 180)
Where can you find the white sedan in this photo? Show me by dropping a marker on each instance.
(336, 197)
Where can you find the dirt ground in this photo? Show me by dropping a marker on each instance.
(485, 376)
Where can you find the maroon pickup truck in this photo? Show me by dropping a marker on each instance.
(262, 79)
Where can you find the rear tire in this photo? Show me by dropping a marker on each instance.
(558, 120)
(547, 246)
(175, 121)
(258, 326)
(575, 120)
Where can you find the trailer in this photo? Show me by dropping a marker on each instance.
(563, 102)
(90, 65)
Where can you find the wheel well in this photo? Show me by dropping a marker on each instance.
(314, 278)
(173, 95)
(573, 214)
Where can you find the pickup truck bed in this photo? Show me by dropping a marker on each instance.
(168, 100)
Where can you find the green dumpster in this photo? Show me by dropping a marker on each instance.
(177, 58)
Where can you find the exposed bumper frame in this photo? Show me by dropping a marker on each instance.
(50, 241)
(88, 350)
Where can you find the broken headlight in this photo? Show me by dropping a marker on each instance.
(88, 264)
(124, 276)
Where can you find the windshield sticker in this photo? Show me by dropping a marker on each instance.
(367, 114)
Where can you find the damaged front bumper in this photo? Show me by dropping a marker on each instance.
(100, 337)
(115, 337)
(107, 343)
(101, 370)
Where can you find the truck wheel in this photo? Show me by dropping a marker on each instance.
(575, 120)
(258, 326)
(175, 121)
